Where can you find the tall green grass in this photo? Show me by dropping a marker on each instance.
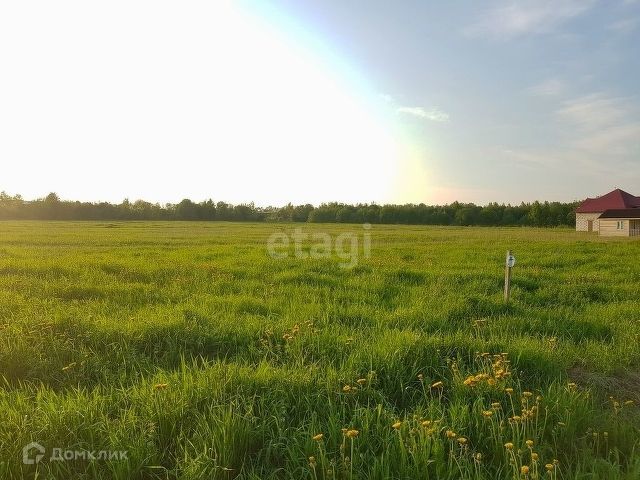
(189, 347)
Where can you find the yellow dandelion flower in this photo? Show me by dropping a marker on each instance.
(534, 456)
(527, 394)
(495, 405)
(397, 425)
(318, 437)
(628, 402)
(529, 443)
(549, 467)
(420, 377)
(524, 470)
(427, 423)
(509, 390)
(160, 386)
(462, 440)
(451, 434)
(346, 388)
(508, 446)
(487, 413)
(352, 433)
(361, 381)
(437, 385)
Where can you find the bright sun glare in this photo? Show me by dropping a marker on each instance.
(161, 100)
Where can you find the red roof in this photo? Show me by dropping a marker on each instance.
(616, 200)
(627, 213)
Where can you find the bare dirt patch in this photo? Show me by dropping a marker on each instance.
(623, 385)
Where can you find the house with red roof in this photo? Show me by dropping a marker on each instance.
(615, 214)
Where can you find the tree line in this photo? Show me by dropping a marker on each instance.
(51, 207)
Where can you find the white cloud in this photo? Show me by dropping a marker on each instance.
(618, 140)
(625, 25)
(512, 19)
(595, 111)
(602, 125)
(598, 134)
(547, 88)
(433, 114)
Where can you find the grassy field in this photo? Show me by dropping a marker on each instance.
(190, 348)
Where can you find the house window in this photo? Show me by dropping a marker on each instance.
(620, 225)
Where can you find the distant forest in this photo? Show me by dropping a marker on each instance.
(538, 214)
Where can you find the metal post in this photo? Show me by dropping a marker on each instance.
(507, 277)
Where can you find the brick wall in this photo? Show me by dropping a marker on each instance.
(582, 220)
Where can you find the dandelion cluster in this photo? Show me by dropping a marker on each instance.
(269, 339)
(513, 423)
(618, 405)
(494, 369)
(358, 384)
(295, 330)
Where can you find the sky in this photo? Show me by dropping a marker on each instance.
(310, 101)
